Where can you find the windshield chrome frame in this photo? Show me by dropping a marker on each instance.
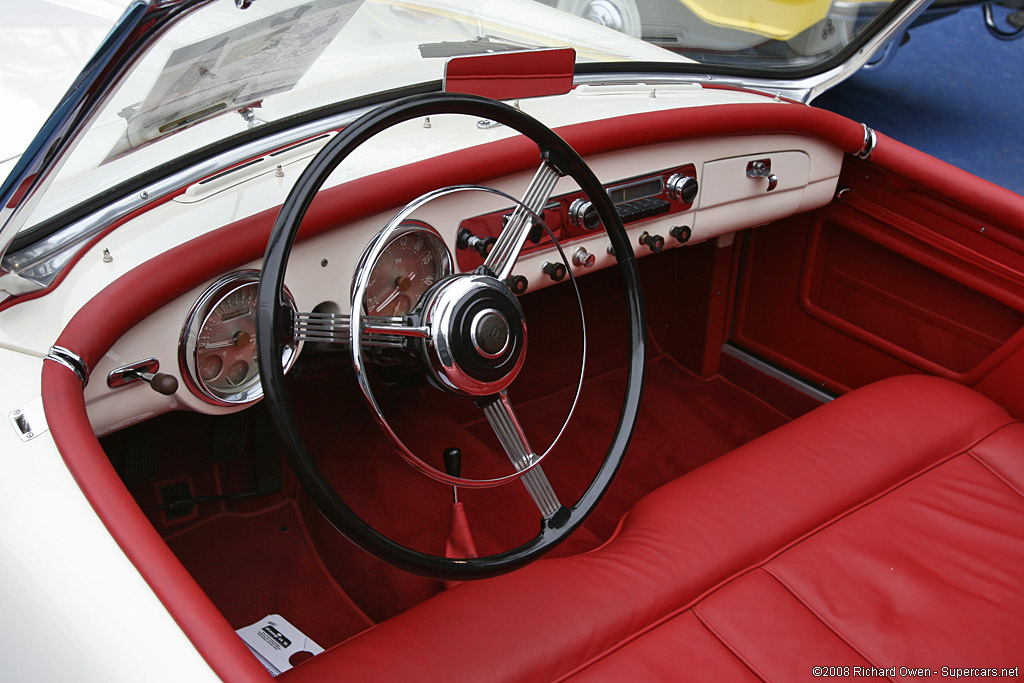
(142, 24)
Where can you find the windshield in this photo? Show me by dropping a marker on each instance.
(224, 71)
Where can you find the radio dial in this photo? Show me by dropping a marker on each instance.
(583, 213)
(682, 188)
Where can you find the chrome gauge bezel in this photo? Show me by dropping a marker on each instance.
(437, 246)
(198, 318)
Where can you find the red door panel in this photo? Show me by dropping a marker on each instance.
(890, 278)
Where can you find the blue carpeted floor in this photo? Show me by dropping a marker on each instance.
(953, 91)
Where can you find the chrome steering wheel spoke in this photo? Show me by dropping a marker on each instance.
(506, 426)
(510, 242)
(335, 328)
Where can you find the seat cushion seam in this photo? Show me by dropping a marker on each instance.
(995, 473)
(732, 650)
(824, 622)
(612, 650)
(764, 562)
(828, 523)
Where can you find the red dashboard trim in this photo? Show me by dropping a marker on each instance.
(129, 299)
(994, 203)
(748, 91)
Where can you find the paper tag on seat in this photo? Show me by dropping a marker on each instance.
(275, 641)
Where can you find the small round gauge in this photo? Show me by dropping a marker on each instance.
(413, 259)
(218, 342)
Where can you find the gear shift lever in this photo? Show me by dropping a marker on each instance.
(453, 466)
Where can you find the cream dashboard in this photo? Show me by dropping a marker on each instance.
(670, 195)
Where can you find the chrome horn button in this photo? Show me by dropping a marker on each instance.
(477, 340)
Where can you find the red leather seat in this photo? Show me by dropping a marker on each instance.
(885, 529)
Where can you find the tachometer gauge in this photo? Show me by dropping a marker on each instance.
(218, 343)
(412, 260)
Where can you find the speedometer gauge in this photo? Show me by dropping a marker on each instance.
(412, 260)
(218, 342)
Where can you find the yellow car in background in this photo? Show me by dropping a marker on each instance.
(727, 32)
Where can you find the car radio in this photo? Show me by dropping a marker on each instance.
(572, 215)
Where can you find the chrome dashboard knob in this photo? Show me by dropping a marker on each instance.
(583, 258)
(583, 214)
(682, 188)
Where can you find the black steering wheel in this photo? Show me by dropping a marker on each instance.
(468, 329)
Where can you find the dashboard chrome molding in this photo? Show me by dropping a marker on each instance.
(870, 141)
(71, 360)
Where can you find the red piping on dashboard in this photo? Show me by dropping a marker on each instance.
(736, 88)
(89, 245)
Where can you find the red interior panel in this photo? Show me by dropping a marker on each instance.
(926, 227)
(899, 306)
(891, 278)
(770, 322)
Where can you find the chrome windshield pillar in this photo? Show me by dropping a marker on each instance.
(142, 24)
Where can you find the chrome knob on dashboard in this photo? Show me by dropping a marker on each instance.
(467, 240)
(582, 213)
(682, 188)
(583, 258)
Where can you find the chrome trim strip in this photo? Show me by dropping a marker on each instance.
(126, 374)
(141, 25)
(786, 378)
(71, 360)
(870, 141)
(333, 328)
